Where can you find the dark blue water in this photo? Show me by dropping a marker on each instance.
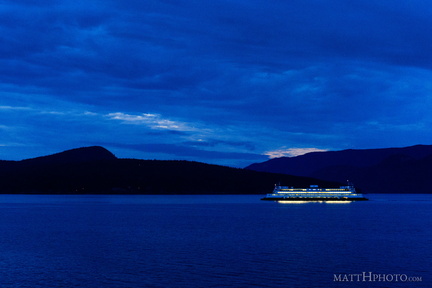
(211, 241)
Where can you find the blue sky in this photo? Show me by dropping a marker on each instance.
(224, 82)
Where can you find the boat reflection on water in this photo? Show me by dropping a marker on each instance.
(304, 202)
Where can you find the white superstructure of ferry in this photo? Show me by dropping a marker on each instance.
(314, 193)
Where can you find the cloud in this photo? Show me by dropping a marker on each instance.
(215, 142)
(291, 152)
(153, 121)
(14, 108)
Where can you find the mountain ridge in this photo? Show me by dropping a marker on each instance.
(95, 170)
(82, 154)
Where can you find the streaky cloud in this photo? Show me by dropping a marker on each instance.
(291, 152)
(154, 121)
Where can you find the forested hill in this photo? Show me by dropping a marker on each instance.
(95, 170)
(389, 170)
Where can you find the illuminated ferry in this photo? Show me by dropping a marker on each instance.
(314, 193)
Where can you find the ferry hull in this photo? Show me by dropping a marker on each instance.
(312, 199)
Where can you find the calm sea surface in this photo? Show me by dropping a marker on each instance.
(213, 241)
